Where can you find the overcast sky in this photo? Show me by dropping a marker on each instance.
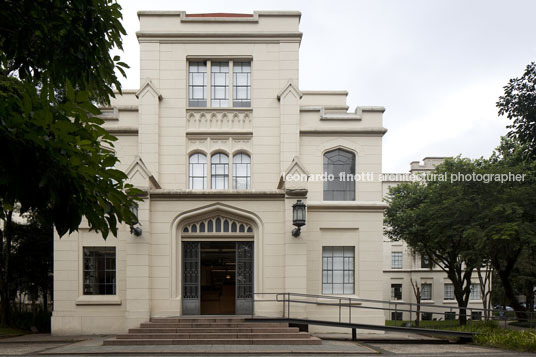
(437, 66)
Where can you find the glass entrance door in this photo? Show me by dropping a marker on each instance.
(217, 278)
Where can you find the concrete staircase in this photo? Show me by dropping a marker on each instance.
(212, 331)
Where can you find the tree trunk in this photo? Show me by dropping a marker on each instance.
(4, 280)
(510, 295)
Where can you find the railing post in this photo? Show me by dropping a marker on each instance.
(284, 305)
(340, 307)
(410, 313)
(450, 317)
(396, 312)
(349, 310)
(288, 306)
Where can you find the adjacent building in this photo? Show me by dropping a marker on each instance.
(403, 268)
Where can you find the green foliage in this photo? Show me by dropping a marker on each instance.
(519, 105)
(518, 340)
(55, 41)
(54, 160)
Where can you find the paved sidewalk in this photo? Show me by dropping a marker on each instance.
(332, 345)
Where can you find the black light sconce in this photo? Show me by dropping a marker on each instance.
(298, 217)
(135, 227)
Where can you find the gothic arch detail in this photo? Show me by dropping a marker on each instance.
(217, 225)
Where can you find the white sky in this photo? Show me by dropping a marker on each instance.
(437, 66)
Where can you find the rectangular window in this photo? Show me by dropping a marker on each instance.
(425, 262)
(450, 315)
(475, 292)
(99, 271)
(396, 260)
(426, 292)
(241, 84)
(476, 315)
(197, 84)
(396, 291)
(396, 316)
(219, 84)
(427, 316)
(449, 292)
(221, 73)
(338, 270)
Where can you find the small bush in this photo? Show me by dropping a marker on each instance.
(27, 320)
(519, 340)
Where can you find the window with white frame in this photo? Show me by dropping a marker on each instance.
(241, 171)
(338, 270)
(241, 84)
(448, 292)
(396, 260)
(426, 291)
(475, 292)
(219, 171)
(99, 275)
(396, 291)
(219, 84)
(197, 84)
(198, 171)
(222, 74)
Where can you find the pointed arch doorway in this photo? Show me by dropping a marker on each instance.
(217, 267)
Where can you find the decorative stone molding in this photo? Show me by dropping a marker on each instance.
(207, 119)
(217, 225)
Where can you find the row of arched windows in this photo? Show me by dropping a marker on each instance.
(339, 165)
(219, 171)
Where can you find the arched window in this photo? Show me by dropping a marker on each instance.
(198, 171)
(219, 171)
(339, 165)
(241, 172)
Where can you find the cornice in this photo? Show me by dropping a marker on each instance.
(165, 194)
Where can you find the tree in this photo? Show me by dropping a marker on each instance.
(519, 105)
(505, 227)
(56, 160)
(434, 219)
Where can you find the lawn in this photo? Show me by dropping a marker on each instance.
(488, 333)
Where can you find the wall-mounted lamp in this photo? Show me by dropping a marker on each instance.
(136, 230)
(298, 217)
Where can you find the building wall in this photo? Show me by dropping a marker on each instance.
(285, 130)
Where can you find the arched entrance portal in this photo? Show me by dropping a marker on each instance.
(217, 266)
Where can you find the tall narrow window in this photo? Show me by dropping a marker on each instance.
(219, 171)
(396, 260)
(219, 84)
(426, 262)
(198, 171)
(338, 270)
(197, 84)
(242, 84)
(426, 291)
(448, 292)
(396, 291)
(339, 166)
(241, 172)
(99, 271)
(475, 292)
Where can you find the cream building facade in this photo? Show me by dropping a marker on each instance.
(402, 266)
(218, 119)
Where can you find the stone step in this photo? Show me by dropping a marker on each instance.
(212, 330)
(209, 336)
(196, 319)
(124, 342)
(213, 325)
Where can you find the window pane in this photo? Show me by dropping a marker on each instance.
(336, 162)
(99, 276)
(241, 171)
(338, 270)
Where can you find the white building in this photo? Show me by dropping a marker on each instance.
(402, 266)
(218, 117)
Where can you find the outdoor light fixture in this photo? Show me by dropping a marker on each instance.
(136, 230)
(298, 217)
